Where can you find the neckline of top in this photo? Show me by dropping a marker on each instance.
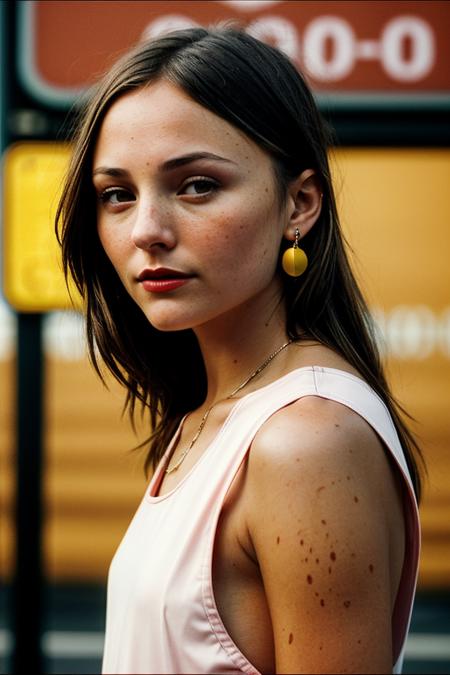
(156, 478)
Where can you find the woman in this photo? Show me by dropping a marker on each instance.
(279, 532)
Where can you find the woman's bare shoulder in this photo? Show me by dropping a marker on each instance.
(315, 448)
(316, 438)
(314, 429)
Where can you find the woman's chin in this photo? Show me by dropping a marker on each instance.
(169, 322)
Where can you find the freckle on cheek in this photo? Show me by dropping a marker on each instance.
(333, 555)
(309, 579)
(278, 540)
(291, 637)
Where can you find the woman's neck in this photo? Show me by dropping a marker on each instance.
(235, 345)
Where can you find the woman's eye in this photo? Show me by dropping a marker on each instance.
(201, 186)
(116, 196)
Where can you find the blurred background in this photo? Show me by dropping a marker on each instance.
(69, 483)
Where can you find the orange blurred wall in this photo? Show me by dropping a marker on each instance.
(395, 212)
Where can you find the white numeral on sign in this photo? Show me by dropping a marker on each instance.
(341, 38)
(416, 65)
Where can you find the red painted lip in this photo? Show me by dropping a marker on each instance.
(162, 279)
(163, 285)
(161, 272)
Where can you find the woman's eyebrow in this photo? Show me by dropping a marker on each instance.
(168, 165)
(110, 171)
(192, 157)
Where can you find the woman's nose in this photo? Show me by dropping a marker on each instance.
(152, 227)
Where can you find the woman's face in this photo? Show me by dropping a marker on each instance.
(188, 211)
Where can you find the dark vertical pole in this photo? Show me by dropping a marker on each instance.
(27, 590)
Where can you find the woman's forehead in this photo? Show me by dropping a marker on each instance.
(161, 116)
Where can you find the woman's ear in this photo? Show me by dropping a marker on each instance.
(304, 204)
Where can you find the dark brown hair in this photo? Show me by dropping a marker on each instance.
(257, 89)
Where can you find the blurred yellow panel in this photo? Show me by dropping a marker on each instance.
(33, 278)
(395, 209)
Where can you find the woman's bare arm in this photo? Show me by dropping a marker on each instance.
(322, 506)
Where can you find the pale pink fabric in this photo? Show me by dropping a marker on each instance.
(161, 613)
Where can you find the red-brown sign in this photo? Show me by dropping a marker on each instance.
(372, 52)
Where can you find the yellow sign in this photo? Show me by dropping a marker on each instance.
(33, 277)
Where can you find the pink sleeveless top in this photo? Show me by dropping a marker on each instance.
(161, 612)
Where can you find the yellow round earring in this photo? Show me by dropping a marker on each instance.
(294, 260)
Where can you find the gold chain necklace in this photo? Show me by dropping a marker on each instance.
(235, 391)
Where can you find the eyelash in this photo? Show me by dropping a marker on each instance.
(213, 186)
(105, 195)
